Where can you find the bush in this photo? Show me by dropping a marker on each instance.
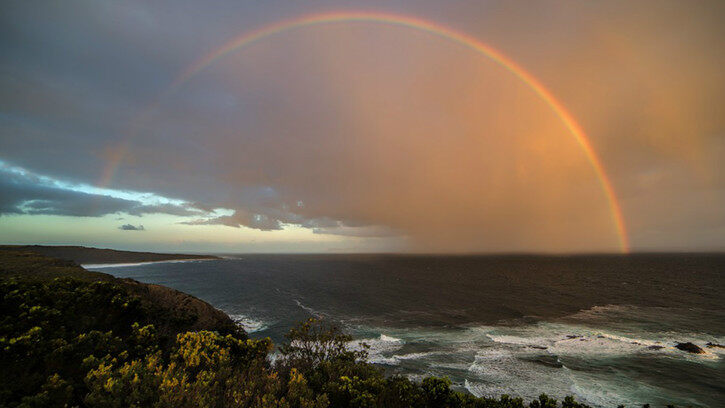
(51, 332)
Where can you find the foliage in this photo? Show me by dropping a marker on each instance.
(205, 369)
(51, 334)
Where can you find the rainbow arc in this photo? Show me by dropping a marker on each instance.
(451, 35)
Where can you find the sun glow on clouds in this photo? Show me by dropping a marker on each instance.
(439, 143)
(359, 135)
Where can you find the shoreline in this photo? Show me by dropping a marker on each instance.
(102, 257)
(132, 264)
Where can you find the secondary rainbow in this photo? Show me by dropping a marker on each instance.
(454, 36)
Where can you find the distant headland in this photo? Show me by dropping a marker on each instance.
(89, 255)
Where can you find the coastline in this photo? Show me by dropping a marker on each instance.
(132, 264)
(176, 311)
(89, 256)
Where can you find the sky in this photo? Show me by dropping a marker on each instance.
(123, 125)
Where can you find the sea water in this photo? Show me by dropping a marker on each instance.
(601, 328)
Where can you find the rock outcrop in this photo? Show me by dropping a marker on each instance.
(690, 348)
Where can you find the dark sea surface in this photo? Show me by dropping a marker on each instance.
(602, 328)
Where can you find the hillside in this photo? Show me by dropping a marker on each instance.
(174, 311)
(86, 255)
(58, 320)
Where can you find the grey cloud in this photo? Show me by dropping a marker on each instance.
(131, 227)
(268, 219)
(19, 195)
(240, 219)
(29, 194)
(366, 137)
(171, 209)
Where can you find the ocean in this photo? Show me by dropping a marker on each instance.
(599, 327)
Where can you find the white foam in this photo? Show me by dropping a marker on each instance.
(602, 392)
(500, 370)
(387, 338)
(381, 342)
(248, 324)
(536, 341)
(527, 360)
(308, 309)
(415, 356)
(513, 370)
(378, 348)
(584, 342)
(395, 359)
(132, 264)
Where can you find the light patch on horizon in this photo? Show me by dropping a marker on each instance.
(44, 226)
(163, 233)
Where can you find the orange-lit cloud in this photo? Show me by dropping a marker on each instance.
(439, 143)
(373, 130)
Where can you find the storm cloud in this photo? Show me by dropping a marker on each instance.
(131, 227)
(27, 193)
(333, 129)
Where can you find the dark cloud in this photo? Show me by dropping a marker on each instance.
(240, 219)
(171, 209)
(131, 227)
(334, 129)
(24, 193)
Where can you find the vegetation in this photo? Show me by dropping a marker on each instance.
(84, 255)
(72, 341)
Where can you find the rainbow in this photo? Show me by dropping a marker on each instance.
(453, 36)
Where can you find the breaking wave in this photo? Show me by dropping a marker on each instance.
(248, 324)
(378, 347)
